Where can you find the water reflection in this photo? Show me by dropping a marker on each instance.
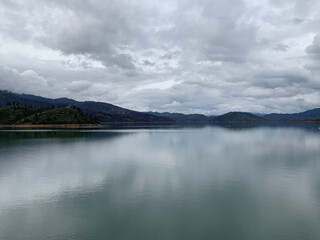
(182, 183)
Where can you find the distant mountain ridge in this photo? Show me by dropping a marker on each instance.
(306, 115)
(237, 117)
(105, 112)
(183, 118)
(108, 113)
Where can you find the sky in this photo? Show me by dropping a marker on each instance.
(188, 56)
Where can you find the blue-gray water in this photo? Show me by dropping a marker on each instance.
(164, 183)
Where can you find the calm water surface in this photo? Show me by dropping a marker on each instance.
(165, 183)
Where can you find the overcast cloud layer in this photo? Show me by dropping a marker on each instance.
(188, 56)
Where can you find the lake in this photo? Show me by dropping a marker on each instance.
(205, 182)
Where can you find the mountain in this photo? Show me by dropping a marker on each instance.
(17, 114)
(237, 117)
(108, 113)
(105, 112)
(183, 118)
(307, 115)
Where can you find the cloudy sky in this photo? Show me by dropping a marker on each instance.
(187, 56)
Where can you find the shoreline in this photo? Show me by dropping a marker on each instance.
(63, 125)
(132, 123)
(95, 125)
(76, 125)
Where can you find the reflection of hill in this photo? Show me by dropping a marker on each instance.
(154, 126)
(236, 125)
(305, 125)
(6, 136)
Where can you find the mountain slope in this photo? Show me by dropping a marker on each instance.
(310, 114)
(28, 115)
(237, 117)
(105, 112)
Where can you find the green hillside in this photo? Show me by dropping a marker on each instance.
(15, 114)
(105, 112)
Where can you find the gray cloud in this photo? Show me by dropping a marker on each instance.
(314, 48)
(207, 56)
(313, 51)
(281, 47)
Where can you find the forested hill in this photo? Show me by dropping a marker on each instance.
(16, 114)
(108, 113)
(105, 112)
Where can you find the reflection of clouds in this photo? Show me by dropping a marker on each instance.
(44, 175)
(258, 169)
(172, 156)
(40, 166)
